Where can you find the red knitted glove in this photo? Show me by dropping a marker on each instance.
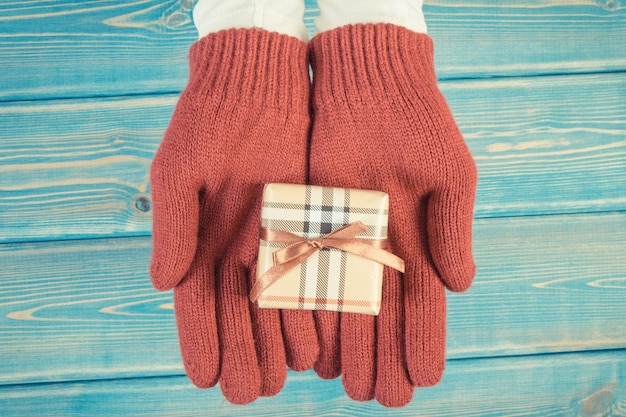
(381, 123)
(241, 122)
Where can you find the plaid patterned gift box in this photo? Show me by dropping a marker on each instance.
(327, 278)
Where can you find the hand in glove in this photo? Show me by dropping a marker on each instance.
(381, 123)
(241, 122)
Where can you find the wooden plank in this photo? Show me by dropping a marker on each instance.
(97, 48)
(116, 48)
(546, 145)
(544, 284)
(79, 310)
(78, 168)
(581, 384)
(487, 38)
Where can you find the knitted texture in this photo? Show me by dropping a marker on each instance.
(380, 122)
(241, 122)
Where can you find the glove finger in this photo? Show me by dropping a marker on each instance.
(175, 214)
(358, 355)
(269, 346)
(328, 365)
(450, 214)
(194, 304)
(423, 298)
(270, 350)
(393, 386)
(301, 344)
(240, 374)
(425, 322)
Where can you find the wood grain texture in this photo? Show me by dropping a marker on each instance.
(52, 49)
(78, 168)
(487, 38)
(87, 89)
(86, 49)
(544, 145)
(79, 310)
(564, 385)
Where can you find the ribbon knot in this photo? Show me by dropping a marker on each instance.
(298, 249)
(317, 243)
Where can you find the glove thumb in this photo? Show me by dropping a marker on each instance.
(175, 223)
(450, 214)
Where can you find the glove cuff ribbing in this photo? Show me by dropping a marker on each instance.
(366, 62)
(250, 67)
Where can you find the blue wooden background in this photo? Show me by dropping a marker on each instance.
(538, 87)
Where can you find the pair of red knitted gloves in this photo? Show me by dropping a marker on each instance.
(379, 122)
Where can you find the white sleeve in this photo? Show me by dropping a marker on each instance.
(336, 13)
(282, 16)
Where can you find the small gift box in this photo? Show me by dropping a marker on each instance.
(322, 248)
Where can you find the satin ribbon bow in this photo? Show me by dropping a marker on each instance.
(299, 249)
